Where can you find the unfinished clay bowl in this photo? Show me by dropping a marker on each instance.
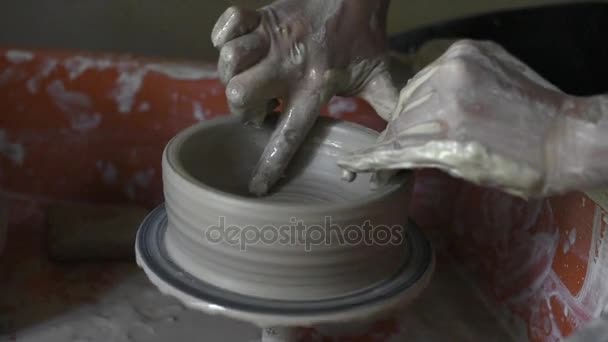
(263, 270)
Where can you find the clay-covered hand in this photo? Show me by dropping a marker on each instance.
(480, 114)
(302, 52)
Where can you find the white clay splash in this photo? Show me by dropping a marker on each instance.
(597, 272)
(128, 85)
(570, 241)
(77, 65)
(132, 73)
(19, 56)
(144, 178)
(45, 70)
(12, 150)
(572, 236)
(140, 180)
(7, 75)
(130, 81)
(109, 172)
(198, 112)
(77, 106)
(187, 72)
(143, 107)
(341, 105)
(590, 302)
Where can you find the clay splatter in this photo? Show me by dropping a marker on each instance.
(46, 68)
(216, 90)
(144, 178)
(74, 104)
(11, 150)
(597, 274)
(141, 179)
(340, 105)
(132, 74)
(130, 191)
(184, 71)
(129, 83)
(109, 173)
(8, 75)
(77, 65)
(143, 107)
(572, 236)
(19, 56)
(570, 241)
(198, 112)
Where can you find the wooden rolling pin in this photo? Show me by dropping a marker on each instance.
(93, 232)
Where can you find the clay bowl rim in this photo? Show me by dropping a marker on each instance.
(171, 156)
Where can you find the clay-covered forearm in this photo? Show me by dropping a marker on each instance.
(364, 7)
(596, 161)
(366, 14)
(581, 158)
(349, 28)
(367, 29)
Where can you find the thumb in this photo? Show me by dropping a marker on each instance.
(405, 151)
(381, 93)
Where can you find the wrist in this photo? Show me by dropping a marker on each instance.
(353, 19)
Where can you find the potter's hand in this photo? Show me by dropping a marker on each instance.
(480, 114)
(302, 52)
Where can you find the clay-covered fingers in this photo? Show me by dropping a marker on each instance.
(468, 160)
(381, 178)
(389, 150)
(414, 85)
(241, 53)
(233, 23)
(300, 115)
(381, 94)
(252, 93)
(409, 152)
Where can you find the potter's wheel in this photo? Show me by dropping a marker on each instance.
(196, 293)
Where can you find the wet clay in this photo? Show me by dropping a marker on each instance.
(206, 172)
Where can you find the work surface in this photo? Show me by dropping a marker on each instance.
(126, 307)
